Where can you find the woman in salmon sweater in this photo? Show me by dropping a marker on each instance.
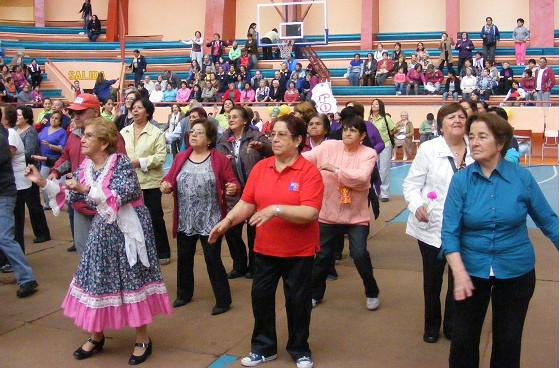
(346, 168)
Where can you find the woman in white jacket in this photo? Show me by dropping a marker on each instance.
(425, 189)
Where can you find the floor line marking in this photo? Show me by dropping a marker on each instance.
(551, 178)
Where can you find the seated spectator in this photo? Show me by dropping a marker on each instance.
(170, 94)
(19, 78)
(25, 97)
(506, 78)
(256, 80)
(413, 61)
(232, 93)
(183, 93)
(401, 63)
(252, 50)
(478, 63)
(143, 92)
(225, 64)
(108, 110)
(414, 78)
(234, 54)
(157, 94)
(400, 82)
(290, 64)
(10, 89)
(468, 83)
(467, 65)
(209, 92)
(94, 28)
(428, 129)
(245, 59)
(355, 70)
(452, 86)
(37, 96)
(299, 73)
(384, 68)
(276, 92)
(172, 79)
(262, 94)
(484, 85)
(162, 82)
(196, 93)
(231, 75)
(269, 125)
(528, 84)
(248, 94)
(75, 86)
(292, 94)
(516, 95)
(35, 73)
(370, 68)
(240, 83)
(397, 53)
(306, 89)
(494, 73)
(378, 53)
(433, 78)
(149, 84)
(257, 121)
(532, 64)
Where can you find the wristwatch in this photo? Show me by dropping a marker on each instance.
(277, 211)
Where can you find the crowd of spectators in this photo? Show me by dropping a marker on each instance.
(20, 82)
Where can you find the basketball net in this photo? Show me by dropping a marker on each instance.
(286, 49)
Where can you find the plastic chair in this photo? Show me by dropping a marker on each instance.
(550, 141)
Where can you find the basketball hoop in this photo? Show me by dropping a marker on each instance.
(286, 49)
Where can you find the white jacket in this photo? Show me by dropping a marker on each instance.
(430, 171)
(468, 84)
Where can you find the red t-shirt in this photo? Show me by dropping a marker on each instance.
(298, 184)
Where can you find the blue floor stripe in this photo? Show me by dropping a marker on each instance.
(223, 361)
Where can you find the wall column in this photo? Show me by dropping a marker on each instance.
(453, 17)
(39, 13)
(370, 23)
(541, 20)
(112, 28)
(220, 18)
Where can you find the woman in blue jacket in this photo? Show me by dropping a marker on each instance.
(102, 88)
(487, 246)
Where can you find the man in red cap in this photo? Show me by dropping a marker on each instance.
(86, 106)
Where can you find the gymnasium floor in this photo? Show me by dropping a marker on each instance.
(34, 333)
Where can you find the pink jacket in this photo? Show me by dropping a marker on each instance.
(399, 78)
(548, 79)
(248, 95)
(354, 173)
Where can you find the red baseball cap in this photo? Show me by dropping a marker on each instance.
(85, 101)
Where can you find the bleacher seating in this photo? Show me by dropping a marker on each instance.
(66, 44)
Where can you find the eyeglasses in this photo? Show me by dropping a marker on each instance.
(77, 112)
(89, 136)
(280, 135)
(197, 132)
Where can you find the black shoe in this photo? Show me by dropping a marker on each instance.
(338, 256)
(431, 338)
(219, 310)
(235, 274)
(180, 302)
(27, 289)
(249, 275)
(41, 239)
(332, 276)
(71, 249)
(134, 359)
(448, 334)
(384, 199)
(80, 353)
(7, 268)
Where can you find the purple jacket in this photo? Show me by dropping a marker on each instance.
(465, 48)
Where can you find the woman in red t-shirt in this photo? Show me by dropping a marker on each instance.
(282, 197)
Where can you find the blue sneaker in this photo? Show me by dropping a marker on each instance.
(252, 360)
(304, 362)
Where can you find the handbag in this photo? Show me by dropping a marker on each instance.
(391, 135)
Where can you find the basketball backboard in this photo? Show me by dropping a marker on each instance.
(301, 22)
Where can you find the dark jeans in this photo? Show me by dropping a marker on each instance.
(138, 74)
(186, 247)
(267, 50)
(152, 200)
(510, 301)
(296, 275)
(357, 235)
(448, 62)
(433, 267)
(461, 63)
(32, 199)
(369, 79)
(236, 245)
(489, 52)
(92, 36)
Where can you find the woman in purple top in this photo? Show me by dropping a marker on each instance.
(465, 47)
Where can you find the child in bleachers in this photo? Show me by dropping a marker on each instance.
(400, 82)
(528, 84)
(516, 95)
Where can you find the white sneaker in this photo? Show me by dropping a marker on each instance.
(252, 360)
(304, 362)
(314, 302)
(372, 303)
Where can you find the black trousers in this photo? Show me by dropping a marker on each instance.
(186, 247)
(461, 63)
(267, 50)
(138, 74)
(510, 301)
(32, 199)
(296, 275)
(236, 245)
(433, 267)
(330, 235)
(152, 200)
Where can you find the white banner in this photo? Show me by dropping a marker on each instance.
(323, 97)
